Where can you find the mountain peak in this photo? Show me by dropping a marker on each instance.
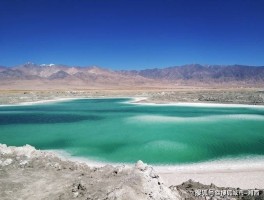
(29, 63)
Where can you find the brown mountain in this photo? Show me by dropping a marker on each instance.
(51, 76)
(61, 76)
(206, 73)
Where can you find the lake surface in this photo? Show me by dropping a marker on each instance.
(112, 130)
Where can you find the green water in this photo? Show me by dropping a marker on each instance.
(112, 130)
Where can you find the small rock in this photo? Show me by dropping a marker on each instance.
(24, 162)
(7, 162)
(141, 166)
(75, 194)
(81, 187)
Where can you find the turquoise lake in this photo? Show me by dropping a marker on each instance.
(113, 130)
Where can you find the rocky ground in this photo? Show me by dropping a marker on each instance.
(27, 173)
(253, 96)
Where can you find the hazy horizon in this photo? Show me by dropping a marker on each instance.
(135, 68)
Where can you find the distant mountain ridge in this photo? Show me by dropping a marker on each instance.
(31, 70)
(32, 75)
(206, 73)
(96, 76)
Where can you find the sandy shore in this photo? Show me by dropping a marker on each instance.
(243, 174)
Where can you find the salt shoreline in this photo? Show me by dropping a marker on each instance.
(138, 101)
(241, 172)
(40, 102)
(256, 162)
(57, 100)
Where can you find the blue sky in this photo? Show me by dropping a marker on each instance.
(132, 34)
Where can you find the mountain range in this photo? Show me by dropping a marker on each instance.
(59, 76)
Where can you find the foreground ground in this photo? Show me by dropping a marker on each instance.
(26, 173)
(29, 174)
